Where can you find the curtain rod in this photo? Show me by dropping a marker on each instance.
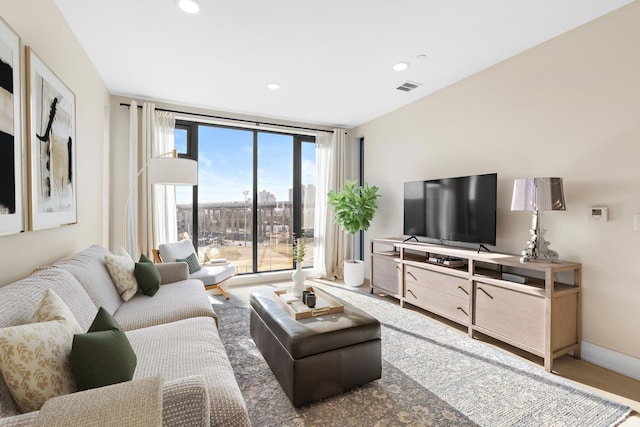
(233, 119)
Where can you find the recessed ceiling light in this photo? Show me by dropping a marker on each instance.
(422, 57)
(401, 66)
(273, 86)
(189, 6)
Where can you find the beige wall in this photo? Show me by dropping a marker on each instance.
(42, 27)
(568, 108)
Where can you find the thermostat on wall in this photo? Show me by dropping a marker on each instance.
(599, 213)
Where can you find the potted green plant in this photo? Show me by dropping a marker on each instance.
(354, 207)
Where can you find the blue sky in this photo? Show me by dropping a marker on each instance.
(225, 164)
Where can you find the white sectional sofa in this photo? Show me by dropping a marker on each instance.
(174, 336)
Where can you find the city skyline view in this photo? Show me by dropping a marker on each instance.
(225, 164)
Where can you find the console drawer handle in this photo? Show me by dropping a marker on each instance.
(398, 267)
(463, 290)
(410, 292)
(486, 293)
(410, 274)
(462, 310)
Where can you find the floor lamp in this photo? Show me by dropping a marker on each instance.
(171, 170)
(537, 195)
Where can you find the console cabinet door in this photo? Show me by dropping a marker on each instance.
(386, 274)
(511, 314)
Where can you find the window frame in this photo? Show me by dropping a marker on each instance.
(192, 144)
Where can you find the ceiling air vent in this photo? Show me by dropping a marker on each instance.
(408, 86)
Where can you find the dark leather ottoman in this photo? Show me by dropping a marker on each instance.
(317, 357)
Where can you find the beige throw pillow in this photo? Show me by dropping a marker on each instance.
(34, 358)
(121, 269)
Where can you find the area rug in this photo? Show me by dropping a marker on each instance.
(432, 375)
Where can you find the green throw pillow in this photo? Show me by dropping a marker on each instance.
(192, 260)
(103, 355)
(147, 276)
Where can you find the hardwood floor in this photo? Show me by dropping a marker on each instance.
(606, 382)
(610, 384)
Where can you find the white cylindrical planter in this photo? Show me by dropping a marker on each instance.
(298, 277)
(353, 273)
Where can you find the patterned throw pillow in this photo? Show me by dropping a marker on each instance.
(193, 263)
(121, 269)
(34, 358)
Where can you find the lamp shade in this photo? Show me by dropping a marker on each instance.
(538, 194)
(173, 171)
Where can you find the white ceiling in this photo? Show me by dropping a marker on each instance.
(333, 58)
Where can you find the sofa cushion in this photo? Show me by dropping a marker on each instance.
(192, 347)
(135, 403)
(102, 356)
(172, 302)
(34, 358)
(147, 276)
(89, 268)
(121, 269)
(19, 300)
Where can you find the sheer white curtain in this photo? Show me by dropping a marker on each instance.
(151, 219)
(130, 228)
(165, 223)
(329, 240)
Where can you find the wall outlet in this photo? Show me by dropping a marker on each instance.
(636, 221)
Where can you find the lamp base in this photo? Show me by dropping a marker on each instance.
(537, 246)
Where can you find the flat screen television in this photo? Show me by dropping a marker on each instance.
(461, 209)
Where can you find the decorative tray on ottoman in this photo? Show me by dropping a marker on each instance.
(325, 304)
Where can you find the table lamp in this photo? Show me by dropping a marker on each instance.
(537, 195)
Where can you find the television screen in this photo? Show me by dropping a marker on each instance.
(461, 209)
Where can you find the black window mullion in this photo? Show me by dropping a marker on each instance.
(254, 204)
(297, 185)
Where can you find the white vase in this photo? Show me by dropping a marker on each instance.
(353, 273)
(298, 277)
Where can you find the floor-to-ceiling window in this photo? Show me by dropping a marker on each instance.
(255, 190)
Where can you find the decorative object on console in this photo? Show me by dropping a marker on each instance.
(355, 208)
(537, 195)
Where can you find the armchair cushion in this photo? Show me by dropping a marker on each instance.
(176, 250)
(192, 262)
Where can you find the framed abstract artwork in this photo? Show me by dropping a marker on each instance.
(52, 161)
(11, 213)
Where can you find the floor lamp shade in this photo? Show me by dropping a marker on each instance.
(173, 171)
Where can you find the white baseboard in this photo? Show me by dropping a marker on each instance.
(618, 362)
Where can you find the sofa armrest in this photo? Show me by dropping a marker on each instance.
(172, 272)
(115, 405)
(22, 420)
(186, 403)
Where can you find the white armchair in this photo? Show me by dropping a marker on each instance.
(211, 274)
